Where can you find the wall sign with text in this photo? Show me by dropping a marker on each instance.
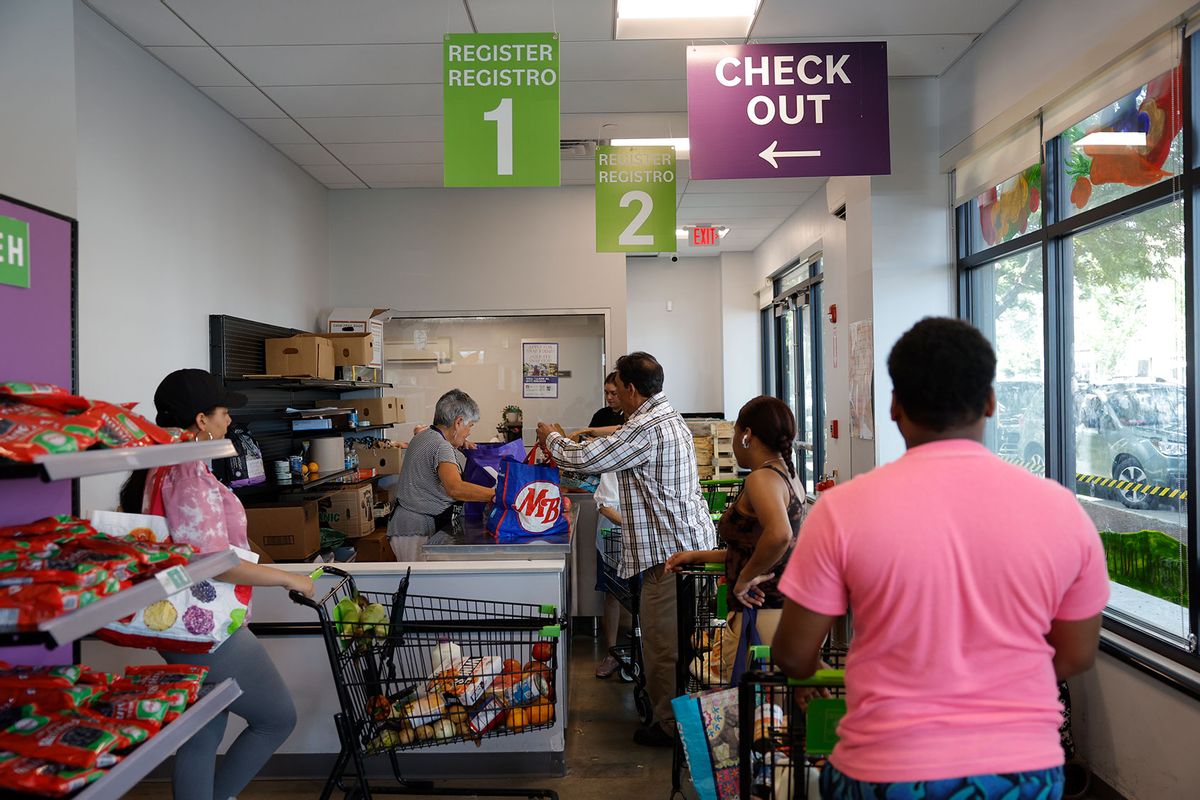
(539, 370)
(788, 110)
(14, 252)
(500, 109)
(635, 199)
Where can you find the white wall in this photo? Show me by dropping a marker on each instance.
(486, 361)
(485, 250)
(1036, 52)
(184, 212)
(37, 137)
(686, 340)
(912, 266)
(740, 331)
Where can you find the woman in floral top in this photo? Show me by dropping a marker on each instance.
(204, 513)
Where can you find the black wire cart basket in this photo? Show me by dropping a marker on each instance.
(787, 728)
(627, 592)
(702, 608)
(414, 671)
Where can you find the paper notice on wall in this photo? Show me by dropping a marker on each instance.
(539, 370)
(862, 380)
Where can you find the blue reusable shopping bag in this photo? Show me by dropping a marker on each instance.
(483, 465)
(529, 501)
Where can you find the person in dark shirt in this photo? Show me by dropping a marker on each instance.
(607, 419)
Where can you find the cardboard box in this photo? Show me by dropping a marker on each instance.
(304, 356)
(376, 410)
(350, 511)
(285, 532)
(351, 349)
(374, 547)
(361, 320)
(384, 460)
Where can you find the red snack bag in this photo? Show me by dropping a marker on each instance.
(61, 736)
(179, 695)
(94, 677)
(50, 699)
(32, 548)
(44, 778)
(149, 554)
(18, 389)
(169, 673)
(84, 575)
(120, 565)
(25, 436)
(38, 602)
(62, 526)
(39, 677)
(146, 708)
(118, 426)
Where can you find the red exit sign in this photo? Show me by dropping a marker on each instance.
(704, 237)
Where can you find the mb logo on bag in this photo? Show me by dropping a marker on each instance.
(539, 505)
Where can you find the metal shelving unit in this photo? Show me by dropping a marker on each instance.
(64, 466)
(302, 383)
(73, 625)
(76, 624)
(138, 764)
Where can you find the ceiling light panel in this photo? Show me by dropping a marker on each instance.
(685, 19)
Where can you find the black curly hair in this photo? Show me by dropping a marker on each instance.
(773, 424)
(942, 371)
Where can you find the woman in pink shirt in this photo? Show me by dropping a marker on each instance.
(974, 587)
(204, 513)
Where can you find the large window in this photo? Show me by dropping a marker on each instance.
(795, 351)
(1086, 301)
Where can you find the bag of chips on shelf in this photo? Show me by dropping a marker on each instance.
(44, 778)
(63, 526)
(146, 708)
(62, 736)
(39, 602)
(18, 389)
(39, 677)
(179, 695)
(76, 696)
(33, 548)
(25, 435)
(94, 677)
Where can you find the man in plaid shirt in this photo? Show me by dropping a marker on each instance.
(662, 509)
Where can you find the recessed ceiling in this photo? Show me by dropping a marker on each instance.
(350, 90)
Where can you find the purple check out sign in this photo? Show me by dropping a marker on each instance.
(788, 110)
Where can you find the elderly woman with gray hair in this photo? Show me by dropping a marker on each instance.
(431, 480)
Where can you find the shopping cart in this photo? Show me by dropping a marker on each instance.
(422, 672)
(627, 592)
(702, 607)
(787, 728)
(720, 493)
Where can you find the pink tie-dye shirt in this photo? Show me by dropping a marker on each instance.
(200, 510)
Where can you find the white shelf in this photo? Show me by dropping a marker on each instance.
(76, 624)
(98, 462)
(138, 764)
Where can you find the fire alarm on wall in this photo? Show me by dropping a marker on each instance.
(833, 429)
(833, 313)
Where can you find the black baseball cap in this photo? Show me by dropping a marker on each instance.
(187, 392)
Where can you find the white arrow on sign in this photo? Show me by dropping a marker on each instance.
(770, 154)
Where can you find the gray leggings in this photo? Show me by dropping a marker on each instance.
(265, 704)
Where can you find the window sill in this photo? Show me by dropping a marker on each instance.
(1173, 674)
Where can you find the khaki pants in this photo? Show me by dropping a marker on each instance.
(660, 640)
(767, 621)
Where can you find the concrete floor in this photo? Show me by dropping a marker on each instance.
(602, 759)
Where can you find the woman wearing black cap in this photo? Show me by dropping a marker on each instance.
(204, 513)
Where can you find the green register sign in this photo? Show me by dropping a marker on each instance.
(14, 252)
(635, 199)
(500, 109)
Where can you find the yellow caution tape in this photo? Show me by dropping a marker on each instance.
(1106, 483)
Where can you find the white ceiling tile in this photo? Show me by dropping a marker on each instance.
(200, 66)
(358, 101)
(574, 20)
(265, 22)
(576, 170)
(761, 215)
(279, 131)
(732, 200)
(389, 153)
(307, 155)
(593, 126)
(800, 186)
(590, 97)
(329, 65)
(624, 60)
(908, 56)
(332, 173)
(867, 18)
(424, 174)
(148, 22)
(353, 130)
(243, 101)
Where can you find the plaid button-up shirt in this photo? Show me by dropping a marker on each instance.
(661, 506)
